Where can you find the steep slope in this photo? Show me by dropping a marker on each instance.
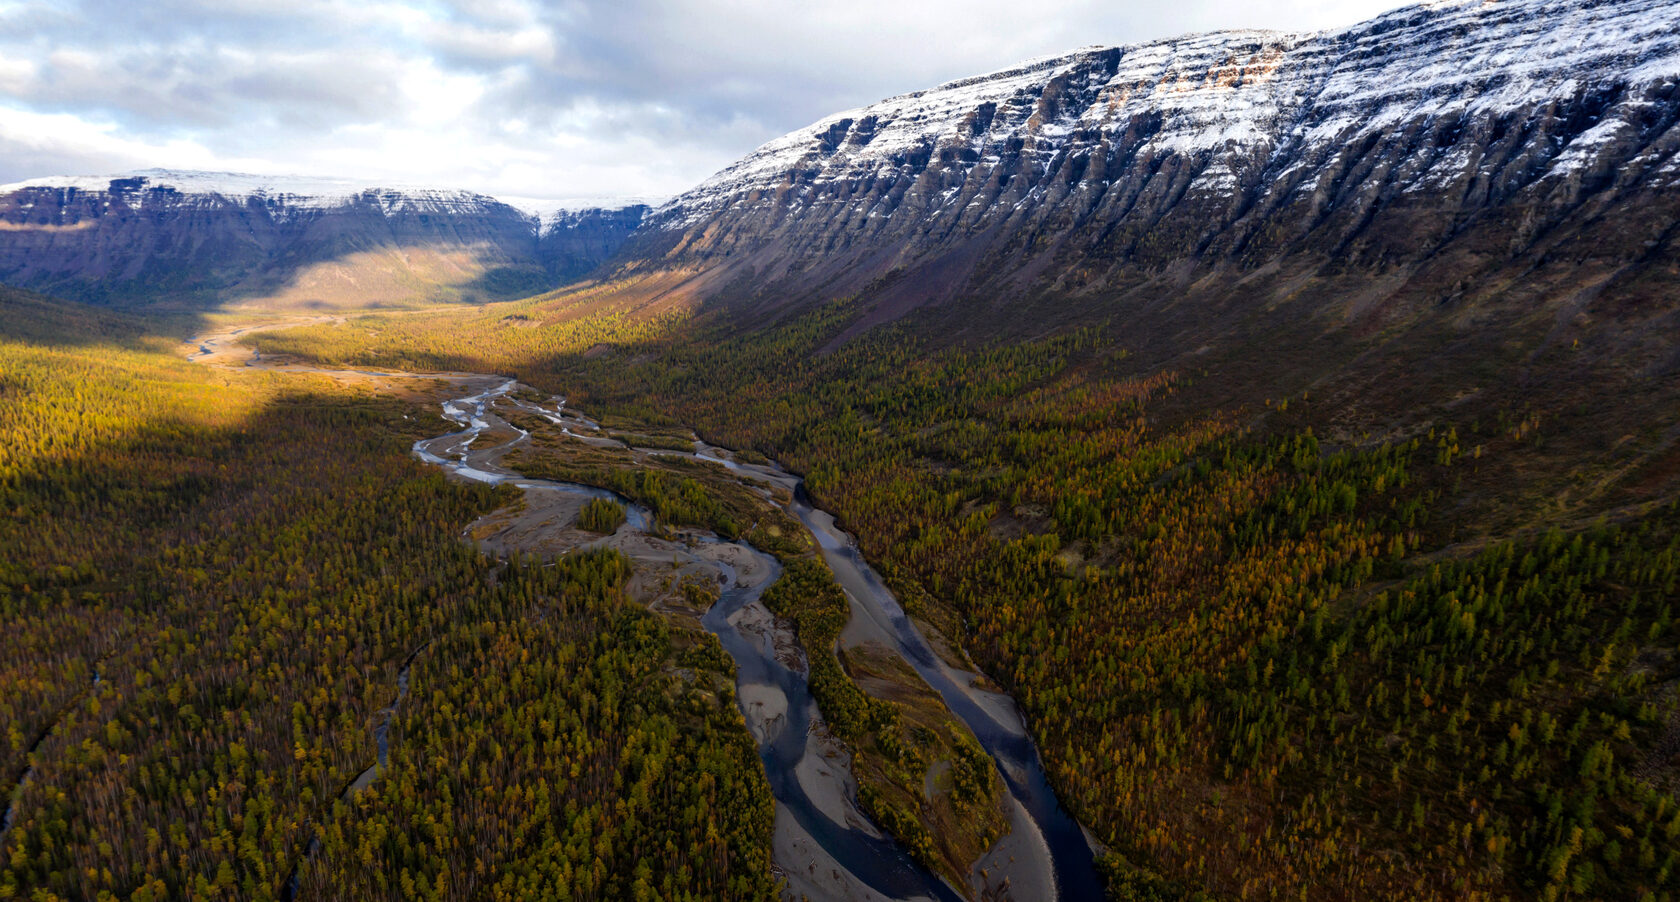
(1406, 161)
(192, 238)
(571, 243)
(1337, 559)
(1333, 554)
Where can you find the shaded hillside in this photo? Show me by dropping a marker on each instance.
(1290, 423)
(1438, 165)
(573, 243)
(194, 240)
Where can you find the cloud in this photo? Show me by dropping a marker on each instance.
(42, 143)
(543, 99)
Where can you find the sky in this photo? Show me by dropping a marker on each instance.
(543, 99)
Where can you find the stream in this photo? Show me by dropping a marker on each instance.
(773, 696)
(381, 758)
(824, 845)
(1051, 858)
(28, 773)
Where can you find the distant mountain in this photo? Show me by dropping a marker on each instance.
(197, 238)
(1459, 158)
(573, 242)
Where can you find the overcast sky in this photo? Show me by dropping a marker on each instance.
(536, 98)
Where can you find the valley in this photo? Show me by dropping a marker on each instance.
(1239, 466)
(824, 843)
(186, 242)
(947, 467)
(314, 498)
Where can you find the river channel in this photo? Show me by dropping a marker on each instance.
(1048, 855)
(824, 844)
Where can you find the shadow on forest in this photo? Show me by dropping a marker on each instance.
(40, 319)
(210, 585)
(196, 571)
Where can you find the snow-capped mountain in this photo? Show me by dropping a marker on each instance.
(1416, 158)
(1466, 128)
(197, 237)
(284, 195)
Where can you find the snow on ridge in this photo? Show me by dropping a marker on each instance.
(548, 210)
(1226, 92)
(288, 194)
(298, 189)
(1025, 67)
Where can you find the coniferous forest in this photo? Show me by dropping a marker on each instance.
(1235, 467)
(1260, 662)
(215, 583)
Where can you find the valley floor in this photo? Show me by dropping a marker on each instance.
(1268, 645)
(667, 566)
(1261, 653)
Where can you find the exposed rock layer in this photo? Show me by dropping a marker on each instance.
(1512, 153)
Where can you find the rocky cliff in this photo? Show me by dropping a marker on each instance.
(572, 243)
(1419, 159)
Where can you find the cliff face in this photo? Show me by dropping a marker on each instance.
(573, 243)
(1419, 155)
(192, 239)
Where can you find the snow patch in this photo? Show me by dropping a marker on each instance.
(287, 195)
(1220, 96)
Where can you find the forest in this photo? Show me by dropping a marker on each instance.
(922, 776)
(1263, 654)
(1260, 662)
(214, 584)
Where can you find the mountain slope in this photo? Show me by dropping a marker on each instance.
(571, 243)
(1290, 423)
(1434, 148)
(192, 238)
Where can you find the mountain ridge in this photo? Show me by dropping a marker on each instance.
(182, 237)
(1294, 435)
(1430, 128)
(325, 192)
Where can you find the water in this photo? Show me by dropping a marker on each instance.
(878, 863)
(1002, 733)
(1000, 728)
(874, 861)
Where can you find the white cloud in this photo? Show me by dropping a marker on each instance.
(46, 138)
(541, 99)
(15, 75)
